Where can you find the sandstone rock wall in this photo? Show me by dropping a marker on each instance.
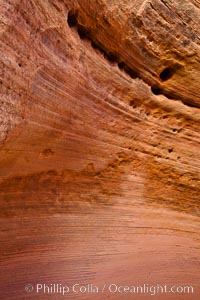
(99, 144)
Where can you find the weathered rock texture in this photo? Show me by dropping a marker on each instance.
(99, 144)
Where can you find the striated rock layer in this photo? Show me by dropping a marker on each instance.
(99, 145)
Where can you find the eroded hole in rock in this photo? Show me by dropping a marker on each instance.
(132, 103)
(156, 90)
(95, 46)
(83, 33)
(132, 73)
(121, 65)
(111, 57)
(72, 18)
(170, 150)
(169, 71)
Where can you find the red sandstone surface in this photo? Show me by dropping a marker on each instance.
(99, 146)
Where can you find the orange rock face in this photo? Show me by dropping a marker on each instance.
(99, 148)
